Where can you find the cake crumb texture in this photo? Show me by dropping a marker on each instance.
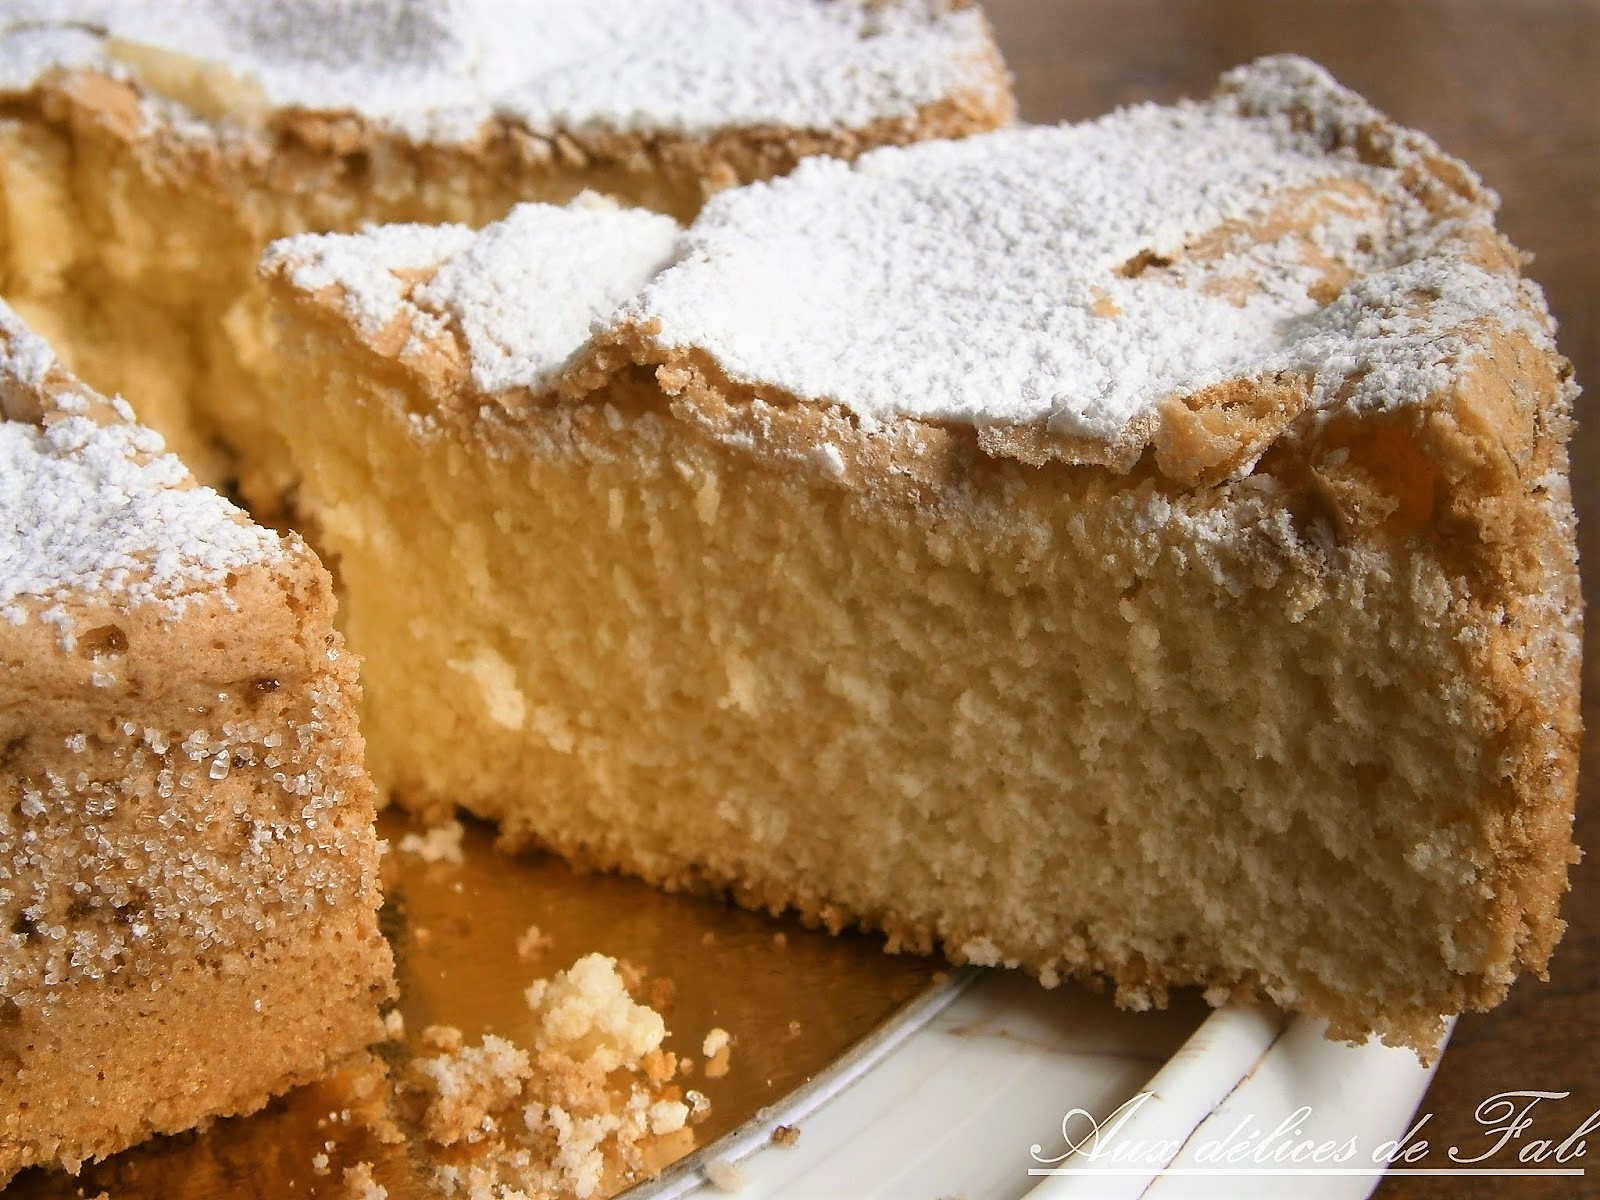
(360, 1185)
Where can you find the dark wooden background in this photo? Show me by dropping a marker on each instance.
(1513, 87)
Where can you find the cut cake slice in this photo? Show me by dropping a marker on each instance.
(1139, 550)
(188, 864)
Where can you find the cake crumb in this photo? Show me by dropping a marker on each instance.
(668, 1116)
(780, 940)
(532, 943)
(394, 1025)
(319, 1163)
(723, 1175)
(717, 1049)
(588, 1107)
(586, 1012)
(699, 1106)
(360, 1185)
(440, 844)
(663, 995)
(468, 1086)
(659, 1066)
(785, 1135)
(444, 1038)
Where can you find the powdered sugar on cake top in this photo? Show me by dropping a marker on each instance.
(373, 270)
(1066, 278)
(437, 70)
(525, 293)
(92, 505)
(529, 289)
(971, 281)
(1072, 277)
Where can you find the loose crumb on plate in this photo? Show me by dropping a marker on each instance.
(360, 1185)
(532, 943)
(723, 1175)
(589, 1107)
(699, 1106)
(442, 843)
(717, 1051)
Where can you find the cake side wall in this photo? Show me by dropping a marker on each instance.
(1037, 716)
(112, 1065)
(186, 858)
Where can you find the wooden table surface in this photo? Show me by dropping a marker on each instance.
(1513, 87)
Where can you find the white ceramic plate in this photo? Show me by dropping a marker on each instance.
(976, 1088)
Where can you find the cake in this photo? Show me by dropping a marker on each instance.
(1138, 551)
(148, 152)
(188, 865)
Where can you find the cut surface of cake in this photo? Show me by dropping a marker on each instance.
(188, 889)
(1139, 551)
(149, 151)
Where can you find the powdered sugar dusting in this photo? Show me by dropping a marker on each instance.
(99, 508)
(529, 289)
(1069, 277)
(1402, 335)
(438, 70)
(525, 293)
(370, 268)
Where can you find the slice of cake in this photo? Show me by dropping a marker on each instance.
(188, 888)
(1139, 551)
(149, 151)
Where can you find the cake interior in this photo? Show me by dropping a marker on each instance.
(722, 672)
